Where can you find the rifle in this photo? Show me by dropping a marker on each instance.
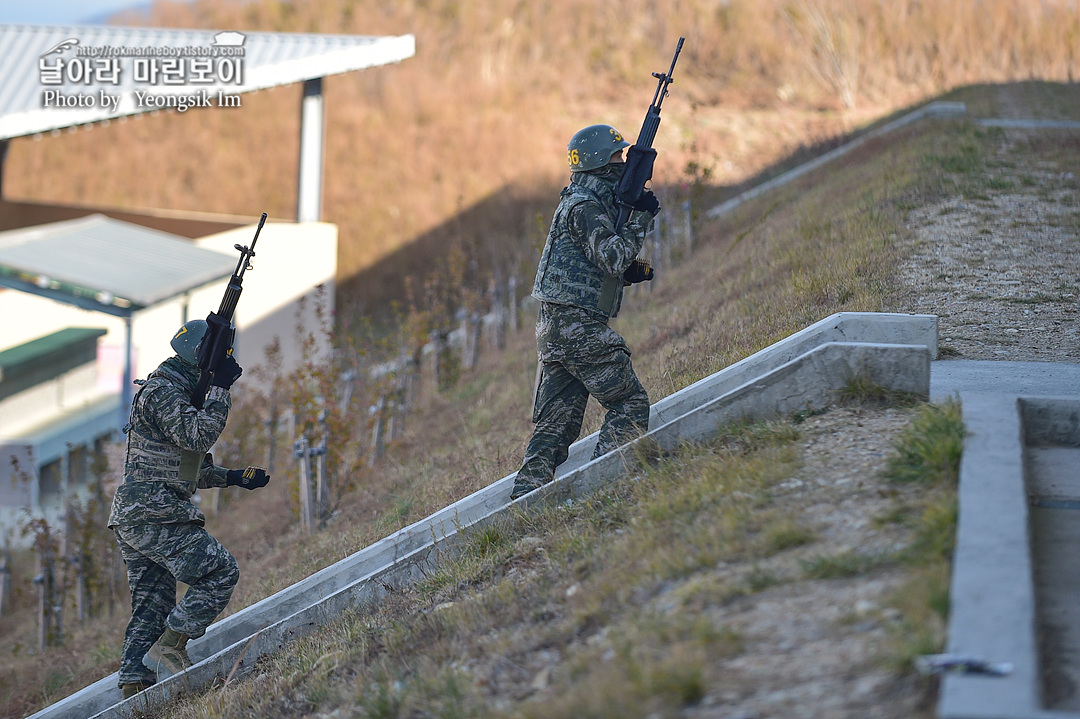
(641, 155)
(220, 333)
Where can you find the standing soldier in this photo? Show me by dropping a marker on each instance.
(583, 268)
(159, 530)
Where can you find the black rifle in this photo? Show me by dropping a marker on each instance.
(218, 341)
(641, 155)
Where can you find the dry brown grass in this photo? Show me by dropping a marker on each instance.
(496, 88)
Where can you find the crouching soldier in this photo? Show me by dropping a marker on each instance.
(159, 530)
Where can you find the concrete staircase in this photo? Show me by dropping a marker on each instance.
(802, 372)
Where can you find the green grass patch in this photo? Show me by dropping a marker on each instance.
(930, 448)
(928, 452)
(861, 390)
(786, 533)
(843, 564)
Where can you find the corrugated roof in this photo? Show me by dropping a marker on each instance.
(31, 56)
(104, 264)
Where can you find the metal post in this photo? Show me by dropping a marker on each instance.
(5, 583)
(43, 605)
(400, 401)
(689, 227)
(82, 594)
(378, 442)
(322, 489)
(49, 632)
(126, 394)
(473, 324)
(512, 292)
(309, 201)
(322, 485)
(662, 250)
(300, 451)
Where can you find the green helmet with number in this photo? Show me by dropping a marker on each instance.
(593, 147)
(187, 339)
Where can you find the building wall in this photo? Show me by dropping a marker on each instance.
(291, 261)
(42, 402)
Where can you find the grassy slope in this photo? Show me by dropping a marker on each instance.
(542, 582)
(781, 262)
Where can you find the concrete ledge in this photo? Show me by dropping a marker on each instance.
(1049, 421)
(992, 595)
(1029, 124)
(812, 381)
(875, 327)
(934, 109)
(789, 368)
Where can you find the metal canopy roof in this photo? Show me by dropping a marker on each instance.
(103, 264)
(82, 59)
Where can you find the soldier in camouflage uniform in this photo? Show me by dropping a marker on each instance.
(159, 530)
(583, 268)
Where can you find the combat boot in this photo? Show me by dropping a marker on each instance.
(130, 690)
(170, 651)
(523, 486)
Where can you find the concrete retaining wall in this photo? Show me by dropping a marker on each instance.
(875, 327)
(793, 374)
(992, 597)
(993, 602)
(1050, 421)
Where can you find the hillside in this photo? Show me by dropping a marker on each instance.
(776, 571)
(480, 141)
(809, 516)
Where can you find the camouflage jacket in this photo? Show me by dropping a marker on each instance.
(168, 439)
(584, 258)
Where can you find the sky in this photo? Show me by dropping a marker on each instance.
(63, 12)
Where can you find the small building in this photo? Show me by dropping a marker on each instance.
(90, 297)
(90, 304)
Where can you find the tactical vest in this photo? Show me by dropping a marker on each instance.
(154, 460)
(151, 461)
(565, 276)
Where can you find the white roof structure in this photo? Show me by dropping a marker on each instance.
(81, 63)
(106, 265)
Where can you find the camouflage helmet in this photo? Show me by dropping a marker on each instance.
(187, 338)
(593, 147)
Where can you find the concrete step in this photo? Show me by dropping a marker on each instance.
(802, 371)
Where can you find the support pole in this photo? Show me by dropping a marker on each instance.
(3, 157)
(309, 202)
(126, 395)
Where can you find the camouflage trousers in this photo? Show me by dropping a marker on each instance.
(579, 357)
(157, 555)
